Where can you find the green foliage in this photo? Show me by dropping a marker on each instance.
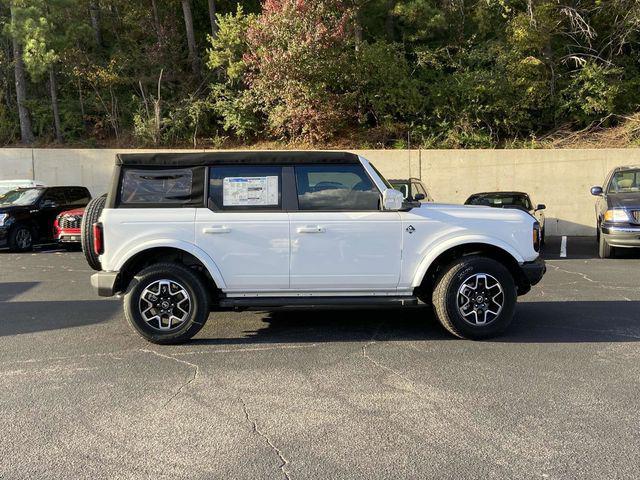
(591, 93)
(463, 73)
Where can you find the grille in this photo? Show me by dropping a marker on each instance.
(70, 222)
(636, 216)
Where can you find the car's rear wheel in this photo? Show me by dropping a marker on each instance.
(475, 297)
(21, 238)
(604, 249)
(166, 303)
(91, 215)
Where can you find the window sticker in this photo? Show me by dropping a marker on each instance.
(249, 191)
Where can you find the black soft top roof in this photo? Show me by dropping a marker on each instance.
(189, 159)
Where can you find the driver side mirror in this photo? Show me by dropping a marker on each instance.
(419, 196)
(392, 199)
(596, 191)
(541, 206)
(49, 204)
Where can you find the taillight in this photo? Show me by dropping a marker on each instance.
(536, 236)
(98, 239)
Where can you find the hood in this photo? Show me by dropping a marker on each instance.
(77, 212)
(624, 200)
(473, 211)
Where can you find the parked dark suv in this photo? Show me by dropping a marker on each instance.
(27, 215)
(618, 211)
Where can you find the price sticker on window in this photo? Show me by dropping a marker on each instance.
(250, 191)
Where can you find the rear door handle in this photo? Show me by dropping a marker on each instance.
(217, 229)
(311, 229)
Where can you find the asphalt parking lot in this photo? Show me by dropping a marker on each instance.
(322, 394)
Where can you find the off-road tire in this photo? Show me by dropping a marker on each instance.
(91, 215)
(189, 280)
(14, 237)
(445, 297)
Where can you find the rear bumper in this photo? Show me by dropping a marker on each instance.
(104, 283)
(622, 236)
(532, 273)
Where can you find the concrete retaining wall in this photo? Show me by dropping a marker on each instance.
(558, 178)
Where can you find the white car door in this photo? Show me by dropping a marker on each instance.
(340, 239)
(244, 229)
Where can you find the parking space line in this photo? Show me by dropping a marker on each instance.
(563, 247)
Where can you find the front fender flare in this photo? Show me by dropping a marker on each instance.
(443, 245)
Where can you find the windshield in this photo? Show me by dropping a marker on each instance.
(20, 197)
(501, 200)
(625, 182)
(384, 180)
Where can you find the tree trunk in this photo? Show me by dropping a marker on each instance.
(212, 18)
(156, 21)
(94, 10)
(26, 131)
(388, 24)
(53, 88)
(191, 37)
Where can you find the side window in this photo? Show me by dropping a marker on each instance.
(78, 196)
(245, 187)
(56, 195)
(156, 186)
(335, 187)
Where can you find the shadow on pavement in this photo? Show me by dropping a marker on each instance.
(9, 290)
(535, 322)
(29, 317)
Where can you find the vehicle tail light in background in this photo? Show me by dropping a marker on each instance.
(98, 239)
(536, 236)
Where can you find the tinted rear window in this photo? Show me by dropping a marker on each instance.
(156, 186)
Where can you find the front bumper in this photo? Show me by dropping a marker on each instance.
(104, 283)
(68, 235)
(532, 273)
(622, 236)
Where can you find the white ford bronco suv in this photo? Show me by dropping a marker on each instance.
(182, 234)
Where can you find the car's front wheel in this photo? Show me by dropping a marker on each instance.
(21, 238)
(166, 303)
(475, 297)
(604, 249)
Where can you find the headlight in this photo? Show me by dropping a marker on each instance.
(616, 215)
(536, 236)
(3, 217)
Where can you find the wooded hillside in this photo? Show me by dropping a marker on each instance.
(324, 73)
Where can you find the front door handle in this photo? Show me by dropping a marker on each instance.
(311, 229)
(217, 229)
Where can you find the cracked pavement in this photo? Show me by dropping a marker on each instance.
(322, 394)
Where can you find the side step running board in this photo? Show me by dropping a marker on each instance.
(316, 302)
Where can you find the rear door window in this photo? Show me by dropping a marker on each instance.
(156, 187)
(245, 187)
(335, 188)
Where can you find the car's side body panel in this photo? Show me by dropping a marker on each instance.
(436, 228)
(345, 250)
(251, 249)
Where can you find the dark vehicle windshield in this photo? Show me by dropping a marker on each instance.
(20, 197)
(501, 200)
(627, 181)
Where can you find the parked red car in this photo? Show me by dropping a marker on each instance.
(67, 227)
